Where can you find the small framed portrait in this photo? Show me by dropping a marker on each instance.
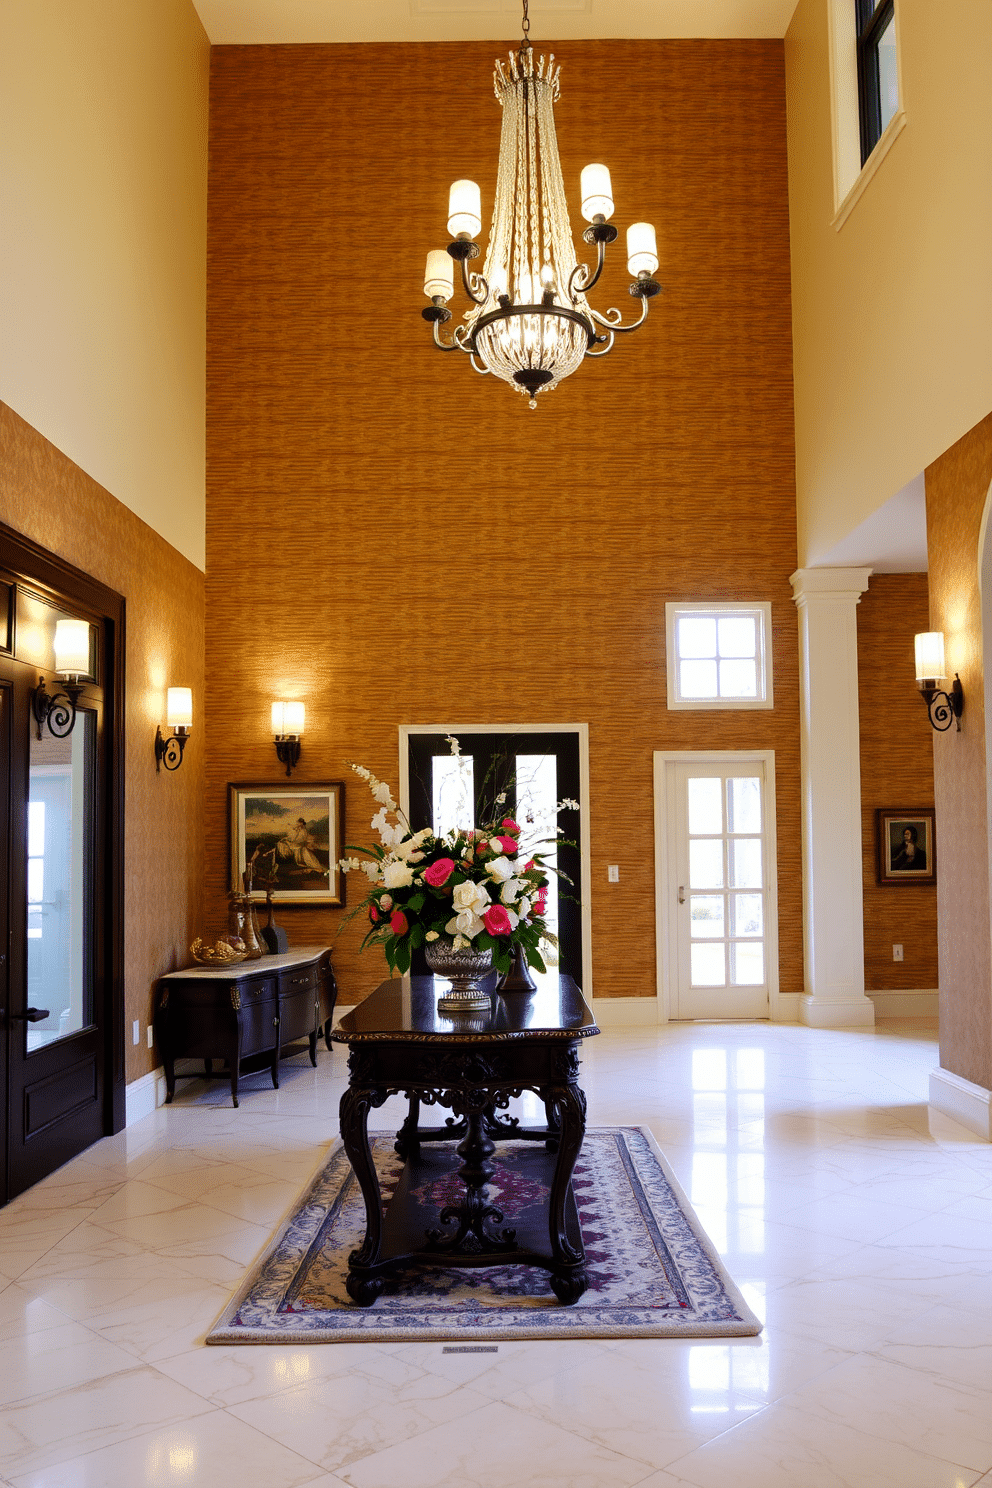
(907, 846)
(289, 838)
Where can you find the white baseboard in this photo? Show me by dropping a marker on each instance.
(969, 1104)
(917, 1002)
(626, 1012)
(785, 1007)
(144, 1096)
(840, 1012)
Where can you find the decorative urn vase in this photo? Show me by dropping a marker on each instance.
(465, 969)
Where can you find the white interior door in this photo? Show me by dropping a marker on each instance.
(722, 918)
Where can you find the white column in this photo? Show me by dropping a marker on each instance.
(833, 910)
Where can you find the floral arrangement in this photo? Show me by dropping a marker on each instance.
(468, 888)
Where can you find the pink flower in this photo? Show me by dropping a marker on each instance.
(398, 923)
(386, 903)
(528, 866)
(541, 902)
(438, 873)
(373, 913)
(509, 845)
(509, 825)
(482, 847)
(496, 920)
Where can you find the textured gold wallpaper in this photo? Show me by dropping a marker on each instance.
(896, 770)
(48, 498)
(394, 539)
(957, 489)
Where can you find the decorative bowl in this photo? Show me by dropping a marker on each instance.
(223, 952)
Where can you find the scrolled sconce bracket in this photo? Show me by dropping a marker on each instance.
(288, 751)
(56, 709)
(169, 752)
(944, 708)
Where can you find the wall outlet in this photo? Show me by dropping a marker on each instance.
(136, 1031)
(613, 873)
(897, 953)
(151, 1035)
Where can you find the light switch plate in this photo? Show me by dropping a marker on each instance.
(136, 1031)
(897, 953)
(613, 873)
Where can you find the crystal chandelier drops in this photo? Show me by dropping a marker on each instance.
(530, 322)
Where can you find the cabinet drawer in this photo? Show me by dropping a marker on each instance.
(291, 982)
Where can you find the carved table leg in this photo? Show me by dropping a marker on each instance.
(408, 1136)
(475, 1150)
(355, 1105)
(568, 1279)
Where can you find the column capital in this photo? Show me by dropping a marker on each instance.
(834, 583)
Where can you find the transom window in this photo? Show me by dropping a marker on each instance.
(719, 656)
(878, 75)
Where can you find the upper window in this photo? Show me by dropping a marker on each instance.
(719, 656)
(878, 74)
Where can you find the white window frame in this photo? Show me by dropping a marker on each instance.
(850, 176)
(761, 611)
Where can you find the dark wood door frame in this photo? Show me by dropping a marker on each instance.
(51, 576)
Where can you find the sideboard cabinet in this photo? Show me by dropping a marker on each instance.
(252, 1012)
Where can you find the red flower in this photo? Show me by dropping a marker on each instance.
(398, 923)
(509, 825)
(509, 845)
(496, 920)
(528, 866)
(541, 902)
(482, 847)
(438, 873)
(373, 913)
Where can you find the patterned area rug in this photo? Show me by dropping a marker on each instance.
(653, 1272)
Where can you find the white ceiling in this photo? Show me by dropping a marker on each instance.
(892, 540)
(263, 22)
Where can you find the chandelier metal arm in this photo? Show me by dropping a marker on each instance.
(462, 250)
(614, 325)
(601, 233)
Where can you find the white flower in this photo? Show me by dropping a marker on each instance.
(465, 923)
(470, 896)
(523, 908)
(453, 744)
(432, 935)
(349, 865)
(567, 804)
(397, 875)
(384, 795)
(361, 770)
(514, 919)
(501, 799)
(500, 869)
(371, 871)
(511, 889)
(459, 943)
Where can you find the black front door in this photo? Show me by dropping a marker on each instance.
(536, 771)
(59, 831)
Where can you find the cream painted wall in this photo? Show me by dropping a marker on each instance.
(892, 313)
(103, 122)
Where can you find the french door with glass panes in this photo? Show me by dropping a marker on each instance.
(721, 914)
(60, 866)
(536, 771)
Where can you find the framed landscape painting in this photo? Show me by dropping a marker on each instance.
(292, 837)
(907, 846)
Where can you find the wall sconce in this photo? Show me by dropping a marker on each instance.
(179, 718)
(287, 726)
(941, 706)
(72, 661)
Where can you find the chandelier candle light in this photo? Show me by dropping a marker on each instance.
(530, 322)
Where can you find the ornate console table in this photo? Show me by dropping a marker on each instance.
(257, 1008)
(473, 1065)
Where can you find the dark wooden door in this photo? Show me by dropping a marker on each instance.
(535, 770)
(60, 821)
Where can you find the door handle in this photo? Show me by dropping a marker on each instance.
(681, 893)
(32, 1015)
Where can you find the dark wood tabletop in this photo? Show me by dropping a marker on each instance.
(404, 1009)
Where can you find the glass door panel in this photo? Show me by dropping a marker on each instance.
(60, 823)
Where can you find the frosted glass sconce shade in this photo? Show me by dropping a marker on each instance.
(930, 656)
(179, 718)
(72, 648)
(179, 708)
(439, 276)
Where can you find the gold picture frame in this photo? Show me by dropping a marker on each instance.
(293, 834)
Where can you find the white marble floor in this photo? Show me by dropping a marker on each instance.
(857, 1225)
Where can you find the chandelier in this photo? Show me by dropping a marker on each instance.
(530, 322)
